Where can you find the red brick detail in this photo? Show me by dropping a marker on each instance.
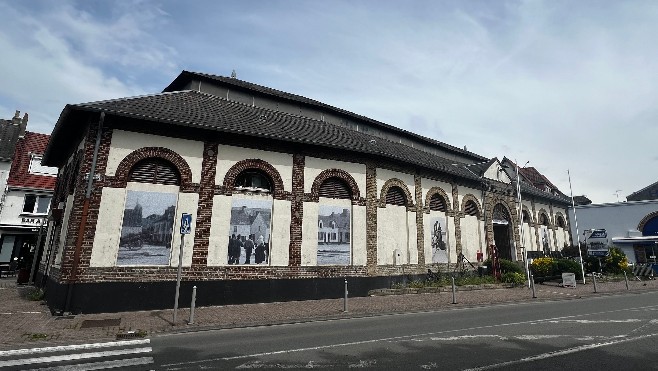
(296, 211)
(336, 173)
(19, 174)
(204, 209)
(253, 164)
(123, 170)
(395, 182)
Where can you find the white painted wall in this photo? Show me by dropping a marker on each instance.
(383, 175)
(471, 237)
(428, 184)
(126, 142)
(219, 229)
(392, 235)
(281, 218)
(314, 166)
(616, 218)
(229, 156)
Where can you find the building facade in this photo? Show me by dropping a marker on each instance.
(288, 196)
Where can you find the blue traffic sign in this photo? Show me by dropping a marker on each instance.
(186, 223)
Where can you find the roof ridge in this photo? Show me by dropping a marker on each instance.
(132, 97)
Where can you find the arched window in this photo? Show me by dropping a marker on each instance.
(543, 219)
(395, 196)
(253, 180)
(320, 224)
(335, 188)
(154, 170)
(560, 221)
(471, 208)
(526, 216)
(437, 203)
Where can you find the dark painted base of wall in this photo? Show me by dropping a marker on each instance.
(108, 297)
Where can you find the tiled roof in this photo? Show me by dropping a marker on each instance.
(19, 176)
(209, 112)
(186, 76)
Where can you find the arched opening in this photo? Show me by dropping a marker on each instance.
(335, 188)
(502, 226)
(254, 181)
(396, 196)
(437, 203)
(154, 170)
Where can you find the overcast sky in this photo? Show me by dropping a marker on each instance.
(562, 84)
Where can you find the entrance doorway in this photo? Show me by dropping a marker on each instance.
(502, 232)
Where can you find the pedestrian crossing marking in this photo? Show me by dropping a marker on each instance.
(121, 363)
(74, 357)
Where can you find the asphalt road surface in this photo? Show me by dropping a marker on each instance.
(617, 332)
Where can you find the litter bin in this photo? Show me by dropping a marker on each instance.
(483, 271)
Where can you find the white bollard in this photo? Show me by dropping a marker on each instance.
(192, 305)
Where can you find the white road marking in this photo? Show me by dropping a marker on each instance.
(402, 337)
(558, 353)
(74, 357)
(101, 365)
(63, 348)
(588, 321)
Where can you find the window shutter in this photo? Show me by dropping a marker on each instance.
(335, 188)
(154, 170)
(437, 203)
(470, 208)
(395, 196)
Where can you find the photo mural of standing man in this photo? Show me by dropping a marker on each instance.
(439, 235)
(249, 233)
(333, 235)
(147, 228)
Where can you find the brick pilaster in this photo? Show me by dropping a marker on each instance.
(372, 204)
(204, 209)
(296, 210)
(420, 226)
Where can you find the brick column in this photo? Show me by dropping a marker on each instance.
(420, 226)
(204, 209)
(296, 210)
(372, 204)
(458, 215)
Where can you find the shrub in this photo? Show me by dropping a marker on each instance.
(568, 266)
(616, 262)
(508, 266)
(35, 295)
(542, 267)
(513, 277)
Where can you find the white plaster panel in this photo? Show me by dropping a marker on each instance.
(471, 238)
(430, 183)
(494, 173)
(463, 191)
(412, 233)
(310, 233)
(391, 235)
(65, 226)
(314, 166)
(359, 227)
(383, 175)
(126, 142)
(230, 155)
(108, 228)
(281, 219)
(560, 238)
(187, 203)
(219, 228)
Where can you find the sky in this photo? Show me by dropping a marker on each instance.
(566, 85)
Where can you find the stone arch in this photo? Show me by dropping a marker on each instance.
(559, 216)
(440, 192)
(470, 197)
(646, 219)
(527, 212)
(335, 173)
(541, 212)
(123, 170)
(395, 182)
(254, 164)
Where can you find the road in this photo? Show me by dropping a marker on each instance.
(615, 332)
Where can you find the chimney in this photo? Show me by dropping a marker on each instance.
(21, 123)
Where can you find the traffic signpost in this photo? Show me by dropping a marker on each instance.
(185, 228)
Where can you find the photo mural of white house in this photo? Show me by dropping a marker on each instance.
(439, 240)
(147, 228)
(333, 235)
(249, 235)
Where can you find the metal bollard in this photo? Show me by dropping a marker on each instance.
(626, 279)
(454, 297)
(532, 284)
(345, 300)
(192, 305)
(594, 280)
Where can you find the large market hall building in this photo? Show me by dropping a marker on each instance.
(288, 196)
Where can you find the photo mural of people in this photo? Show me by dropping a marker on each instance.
(249, 234)
(147, 228)
(439, 235)
(333, 235)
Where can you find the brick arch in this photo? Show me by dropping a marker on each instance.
(254, 164)
(470, 197)
(123, 170)
(559, 215)
(548, 217)
(529, 213)
(442, 193)
(645, 220)
(335, 173)
(395, 182)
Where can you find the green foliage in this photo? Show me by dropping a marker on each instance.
(542, 267)
(513, 277)
(35, 295)
(505, 266)
(616, 262)
(568, 266)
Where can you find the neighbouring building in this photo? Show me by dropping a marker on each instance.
(316, 194)
(26, 195)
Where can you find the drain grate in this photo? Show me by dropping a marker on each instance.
(110, 322)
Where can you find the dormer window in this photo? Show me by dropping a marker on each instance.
(37, 169)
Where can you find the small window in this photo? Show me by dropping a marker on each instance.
(253, 181)
(320, 224)
(36, 204)
(335, 188)
(396, 196)
(471, 208)
(156, 171)
(437, 203)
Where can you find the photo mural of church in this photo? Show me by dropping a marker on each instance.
(289, 197)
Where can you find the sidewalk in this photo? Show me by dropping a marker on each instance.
(28, 324)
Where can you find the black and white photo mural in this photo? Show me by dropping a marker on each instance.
(439, 235)
(334, 235)
(147, 228)
(249, 234)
